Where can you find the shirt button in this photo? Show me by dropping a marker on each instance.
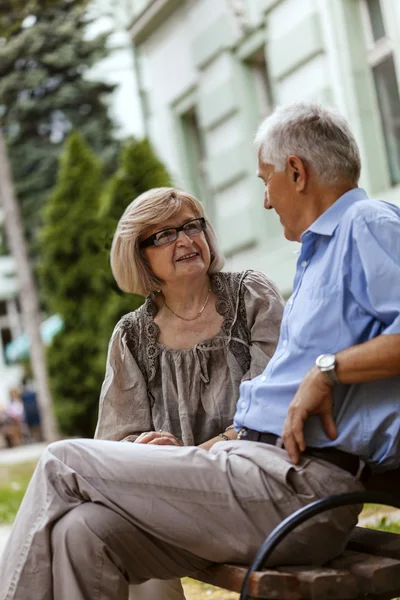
(304, 263)
(243, 405)
(284, 343)
(263, 378)
(290, 302)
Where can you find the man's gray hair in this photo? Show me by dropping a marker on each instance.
(319, 136)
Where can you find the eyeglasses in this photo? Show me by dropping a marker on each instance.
(166, 236)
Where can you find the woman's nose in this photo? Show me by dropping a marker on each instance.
(183, 239)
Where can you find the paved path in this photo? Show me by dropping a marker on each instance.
(21, 454)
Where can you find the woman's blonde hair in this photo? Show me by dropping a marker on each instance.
(129, 266)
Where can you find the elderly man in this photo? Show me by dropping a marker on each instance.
(98, 515)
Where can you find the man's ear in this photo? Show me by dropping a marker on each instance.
(297, 172)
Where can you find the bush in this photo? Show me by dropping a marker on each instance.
(73, 274)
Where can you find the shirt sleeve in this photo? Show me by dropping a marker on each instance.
(124, 410)
(375, 274)
(264, 309)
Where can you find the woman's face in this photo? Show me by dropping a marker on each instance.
(186, 257)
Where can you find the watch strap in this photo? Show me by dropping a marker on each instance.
(330, 374)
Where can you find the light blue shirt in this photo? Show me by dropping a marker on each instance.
(346, 291)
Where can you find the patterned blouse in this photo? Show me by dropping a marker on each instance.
(191, 392)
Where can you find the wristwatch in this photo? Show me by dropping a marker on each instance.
(326, 363)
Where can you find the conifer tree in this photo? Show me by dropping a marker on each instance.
(73, 277)
(75, 272)
(45, 92)
(139, 170)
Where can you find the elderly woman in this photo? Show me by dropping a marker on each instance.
(175, 365)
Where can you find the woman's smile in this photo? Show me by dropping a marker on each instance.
(191, 256)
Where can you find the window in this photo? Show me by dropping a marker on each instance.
(381, 61)
(259, 72)
(375, 19)
(196, 158)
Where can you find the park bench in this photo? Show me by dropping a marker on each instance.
(369, 569)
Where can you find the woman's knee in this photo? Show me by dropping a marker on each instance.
(63, 449)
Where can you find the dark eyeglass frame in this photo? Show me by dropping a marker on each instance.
(152, 240)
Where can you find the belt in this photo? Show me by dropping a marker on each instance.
(344, 460)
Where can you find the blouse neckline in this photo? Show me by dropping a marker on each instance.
(222, 307)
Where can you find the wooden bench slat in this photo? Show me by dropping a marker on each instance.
(324, 582)
(377, 543)
(375, 574)
(269, 585)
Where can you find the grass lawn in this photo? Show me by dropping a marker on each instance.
(15, 478)
(195, 590)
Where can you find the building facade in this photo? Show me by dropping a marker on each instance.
(208, 71)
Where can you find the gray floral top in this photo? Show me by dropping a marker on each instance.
(192, 392)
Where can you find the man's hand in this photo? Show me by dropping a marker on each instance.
(314, 397)
(160, 438)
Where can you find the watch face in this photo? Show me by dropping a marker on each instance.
(325, 361)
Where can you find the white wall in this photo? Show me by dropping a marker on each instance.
(118, 68)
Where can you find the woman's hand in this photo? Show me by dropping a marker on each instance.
(230, 433)
(160, 438)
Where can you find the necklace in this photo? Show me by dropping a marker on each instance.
(185, 318)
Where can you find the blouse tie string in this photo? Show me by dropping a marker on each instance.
(201, 362)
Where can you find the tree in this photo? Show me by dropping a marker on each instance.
(139, 170)
(45, 91)
(13, 12)
(29, 301)
(75, 274)
(74, 279)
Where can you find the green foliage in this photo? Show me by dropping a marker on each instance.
(3, 243)
(139, 170)
(13, 12)
(386, 525)
(73, 275)
(45, 93)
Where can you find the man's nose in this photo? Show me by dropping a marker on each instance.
(267, 204)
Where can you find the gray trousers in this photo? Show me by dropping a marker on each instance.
(99, 515)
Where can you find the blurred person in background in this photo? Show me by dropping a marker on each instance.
(175, 365)
(9, 428)
(32, 415)
(12, 419)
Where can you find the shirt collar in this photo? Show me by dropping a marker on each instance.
(329, 220)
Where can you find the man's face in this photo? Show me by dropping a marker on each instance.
(280, 194)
